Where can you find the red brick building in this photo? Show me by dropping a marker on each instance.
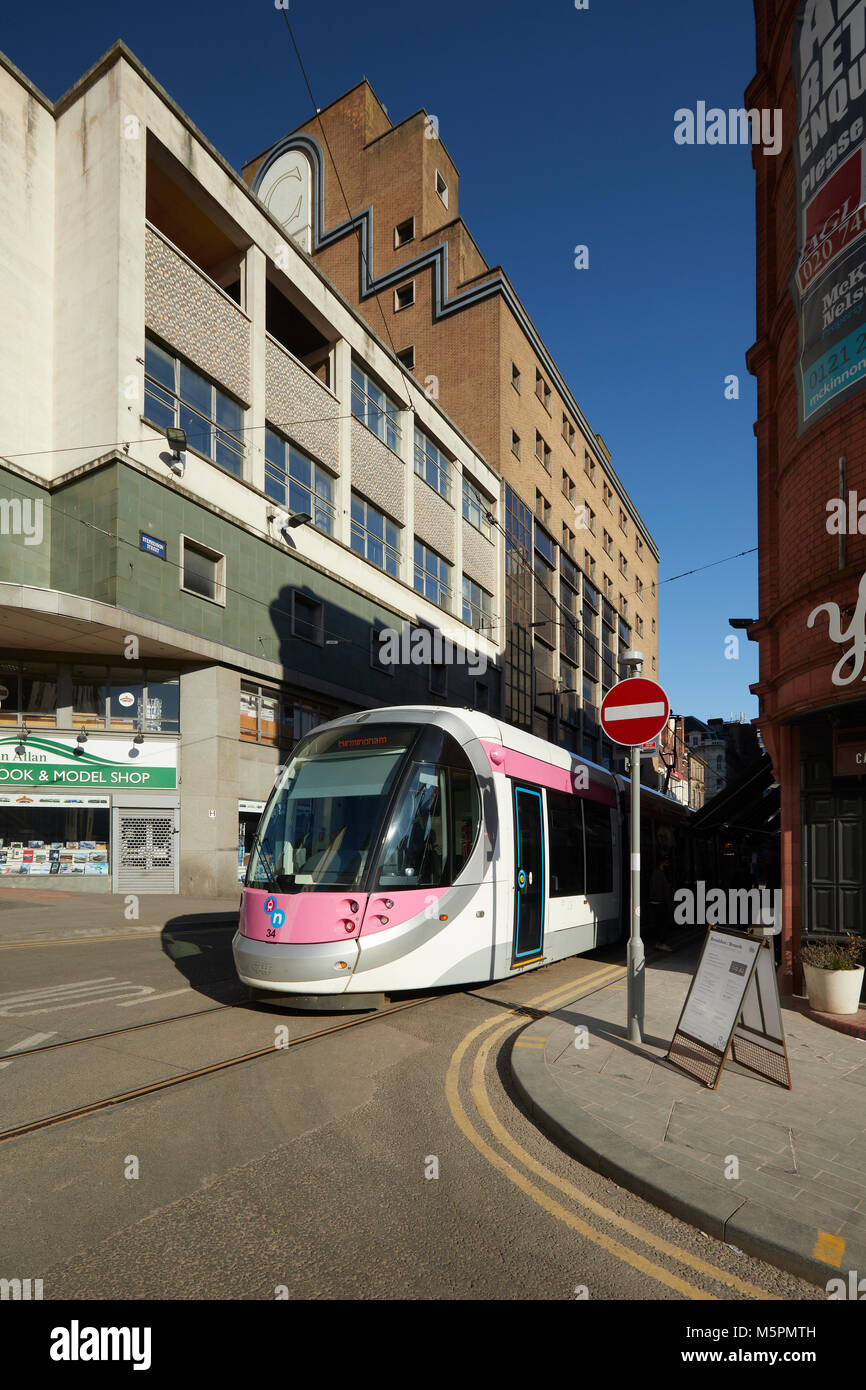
(811, 432)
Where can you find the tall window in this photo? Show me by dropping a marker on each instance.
(432, 465)
(296, 482)
(378, 412)
(477, 605)
(203, 571)
(476, 508)
(374, 536)
(432, 575)
(175, 394)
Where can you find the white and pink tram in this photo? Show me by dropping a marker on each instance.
(414, 847)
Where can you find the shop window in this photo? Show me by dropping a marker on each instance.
(28, 693)
(126, 692)
(89, 696)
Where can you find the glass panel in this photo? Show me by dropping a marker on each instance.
(228, 413)
(163, 702)
(249, 712)
(565, 827)
(89, 694)
(275, 449)
(38, 692)
(227, 453)
(126, 698)
(275, 485)
(416, 848)
(195, 390)
(198, 430)
(319, 827)
(199, 572)
(157, 408)
(300, 468)
(159, 364)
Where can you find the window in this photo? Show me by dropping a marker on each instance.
(477, 605)
(607, 542)
(276, 718)
(435, 822)
(653, 588)
(589, 466)
(623, 565)
(515, 378)
(122, 698)
(653, 625)
(638, 584)
(432, 575)
(589, 565)
(404, 232)
(542, 390)
(623, 606)
(542, 506)
(308, 618)
(175, 394)
(589, 517)
(567, 485)
(599, 848)
(476, 509)
(406, 356)
(438, 680)
(377, 660)
(565, 831)
(638, 622)
(482, 697)
(568, 431)
(608, 494)
(377, 411)
(623, 521)
(203, 571)
(515, 444)
(654, 663)
(441, 188)
(374, 536)
(404, 295)
(639, 546)
(432, 465)
(542, 451)
(608, 587)
(294, 481)
(568, 540)
(30, 694)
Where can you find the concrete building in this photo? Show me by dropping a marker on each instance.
(377, 205)
(809, 358)
(168, 628)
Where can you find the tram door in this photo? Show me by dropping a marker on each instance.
(528, 875)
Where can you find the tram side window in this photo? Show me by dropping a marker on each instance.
(565, 832)
(599, 848)
(433, 828)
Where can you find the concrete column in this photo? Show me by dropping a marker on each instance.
(457, 499)
(209, 769)
(342, 387)
(256, 290)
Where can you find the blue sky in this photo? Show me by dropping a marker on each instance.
(561, 125)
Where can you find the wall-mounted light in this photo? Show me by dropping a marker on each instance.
(288, 521)
(21, 749)
(177, 443)
(78, 750)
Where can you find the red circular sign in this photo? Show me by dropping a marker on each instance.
(634, 711)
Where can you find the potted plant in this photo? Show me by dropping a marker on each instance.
(834, 975)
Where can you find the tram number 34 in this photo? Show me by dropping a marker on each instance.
(277, 916)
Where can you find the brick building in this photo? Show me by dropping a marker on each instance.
(377, 206)
(811, 433)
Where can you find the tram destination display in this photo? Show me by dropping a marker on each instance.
(732, 1005)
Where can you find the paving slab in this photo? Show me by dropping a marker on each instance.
(793, 1198)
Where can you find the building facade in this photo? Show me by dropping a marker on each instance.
(217, 493)
(811, 431)
(377, 205)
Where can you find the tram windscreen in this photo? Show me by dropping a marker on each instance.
(320, 827)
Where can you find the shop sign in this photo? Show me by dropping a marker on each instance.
(829, 281)
(251, 807)
(111, 762)
(849, 752)
(22, 799)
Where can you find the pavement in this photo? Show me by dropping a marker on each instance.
(798, 1197)
(51, 914)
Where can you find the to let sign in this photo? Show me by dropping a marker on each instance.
(634, 711)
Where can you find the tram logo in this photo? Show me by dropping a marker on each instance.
(276, 914)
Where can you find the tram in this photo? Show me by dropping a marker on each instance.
(412, 847)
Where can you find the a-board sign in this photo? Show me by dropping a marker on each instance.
(732, 1005)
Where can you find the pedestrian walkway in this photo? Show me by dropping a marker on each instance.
(778, 1174)
(50, 915)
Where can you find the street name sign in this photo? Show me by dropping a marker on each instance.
(634, 711)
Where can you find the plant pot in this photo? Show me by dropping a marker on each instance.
(834, 991)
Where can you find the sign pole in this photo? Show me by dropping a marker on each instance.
(633, 713)
(635, 954)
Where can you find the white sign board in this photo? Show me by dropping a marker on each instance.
(718, 989)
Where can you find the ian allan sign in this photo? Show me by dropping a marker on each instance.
(828, 61)
(109, 762)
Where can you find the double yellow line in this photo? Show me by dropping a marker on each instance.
(478, 1090)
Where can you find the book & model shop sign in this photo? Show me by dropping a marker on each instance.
(117, 763)
(828, 61)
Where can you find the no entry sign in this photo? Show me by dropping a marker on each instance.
(634, 711)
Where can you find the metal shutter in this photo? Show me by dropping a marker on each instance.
(145, 850)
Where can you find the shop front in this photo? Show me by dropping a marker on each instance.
(90, 812)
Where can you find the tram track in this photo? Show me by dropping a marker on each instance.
(152, 1088)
